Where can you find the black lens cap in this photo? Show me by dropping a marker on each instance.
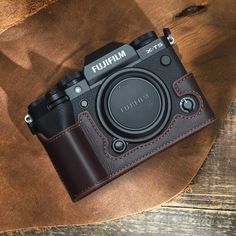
(133, 104)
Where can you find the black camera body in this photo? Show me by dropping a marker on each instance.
(129, 102)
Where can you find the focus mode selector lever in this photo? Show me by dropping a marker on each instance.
(187, 104)
(70, 80)
(143, 40)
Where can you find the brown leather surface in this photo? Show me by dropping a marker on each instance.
(85, 164)
(13, 13)
(53, 43)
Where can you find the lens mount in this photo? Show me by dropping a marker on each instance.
(133, 104)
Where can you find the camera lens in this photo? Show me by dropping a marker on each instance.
(133, 104)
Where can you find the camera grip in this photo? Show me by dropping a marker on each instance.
(74, 159)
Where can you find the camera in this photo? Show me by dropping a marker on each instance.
(129, 102)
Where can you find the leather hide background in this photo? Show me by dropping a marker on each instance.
(51, 44)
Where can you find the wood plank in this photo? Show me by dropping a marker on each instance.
(163, 221)
(215, 185)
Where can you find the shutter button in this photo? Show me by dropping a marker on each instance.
(119, 145)
(187, 104)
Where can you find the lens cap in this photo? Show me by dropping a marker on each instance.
(133, 104)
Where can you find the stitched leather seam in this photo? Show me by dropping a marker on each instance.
(158, 138)
(175, 86)
(177, 83)
(105, 142)
(146, 155)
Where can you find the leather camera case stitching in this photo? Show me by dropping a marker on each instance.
(130, 101)
(101, 166)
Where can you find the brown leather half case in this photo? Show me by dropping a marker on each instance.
(81, 156)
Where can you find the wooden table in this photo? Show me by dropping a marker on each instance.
(207, 207)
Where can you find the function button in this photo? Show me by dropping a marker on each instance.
(70, 80)
(119, 145)
(143, 40)
(84, 103)
(187, 104)
(165, 60)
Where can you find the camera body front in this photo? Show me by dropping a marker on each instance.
(130, 101)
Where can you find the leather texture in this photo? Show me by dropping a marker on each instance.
(81, 155)
(52, 44)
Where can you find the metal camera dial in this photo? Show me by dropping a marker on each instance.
(70, 80)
